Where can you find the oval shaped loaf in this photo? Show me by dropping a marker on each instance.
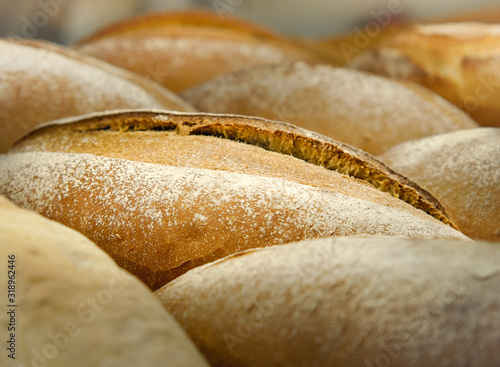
(345, 302)
(459, 61)
(42, 82)
(164, 192)
(71, 305)
(182, 49)
(462, 170)
(369, 112)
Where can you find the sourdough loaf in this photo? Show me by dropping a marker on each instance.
(462, 170)
(459, 61)
(182, 49)
(41, 81)
(165, 192)
(345, 302)
(69, 304)
(369, 112)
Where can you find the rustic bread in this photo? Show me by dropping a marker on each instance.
(41, 82)
(462, 170)
(459, 61)
(369, 112)
(71, 305)
(165, 192)
(339, 50)
(345, 302)
(182, 49)
(484, 15)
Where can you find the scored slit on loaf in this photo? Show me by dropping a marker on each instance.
(165, 192)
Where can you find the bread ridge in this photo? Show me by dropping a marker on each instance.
(271, 135)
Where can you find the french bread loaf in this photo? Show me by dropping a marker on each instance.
(69, 304)
(182, 49)
(165, 192)
(369, 112)
(462, 170)
(345, 302)
(459, 61)
(41, 81)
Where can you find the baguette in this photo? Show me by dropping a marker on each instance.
(69, 304)
(41, 81)
(459, 61)
(345, 302)
(165, 192)
(182, 49)
(462, 170)
(369, 112)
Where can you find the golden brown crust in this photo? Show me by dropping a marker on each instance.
(71, 296)
(342, 49)
(486, 15)
(192, 18)
(345, 302)
(459, 61)
(165, 192)
(180, 51)
(275, 136)
(42, 81)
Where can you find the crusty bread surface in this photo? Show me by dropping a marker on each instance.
(164, 192)
(369, 112)
(182, 49)
(345, 302)
(459, 61)
(462, 170)
(73, 306)
(41, 81)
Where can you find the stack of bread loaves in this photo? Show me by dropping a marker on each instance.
(270, 243)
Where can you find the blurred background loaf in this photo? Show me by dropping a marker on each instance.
(68, 20)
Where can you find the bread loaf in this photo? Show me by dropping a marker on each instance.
(462, 170)
(345, 302)
(41, 82)
(164, 192)
(369, 112)
(339, 50)
(484, 15)
(69, 304)
(459, 61)
(182, 49)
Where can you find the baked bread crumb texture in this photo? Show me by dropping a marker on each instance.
(186, 189)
